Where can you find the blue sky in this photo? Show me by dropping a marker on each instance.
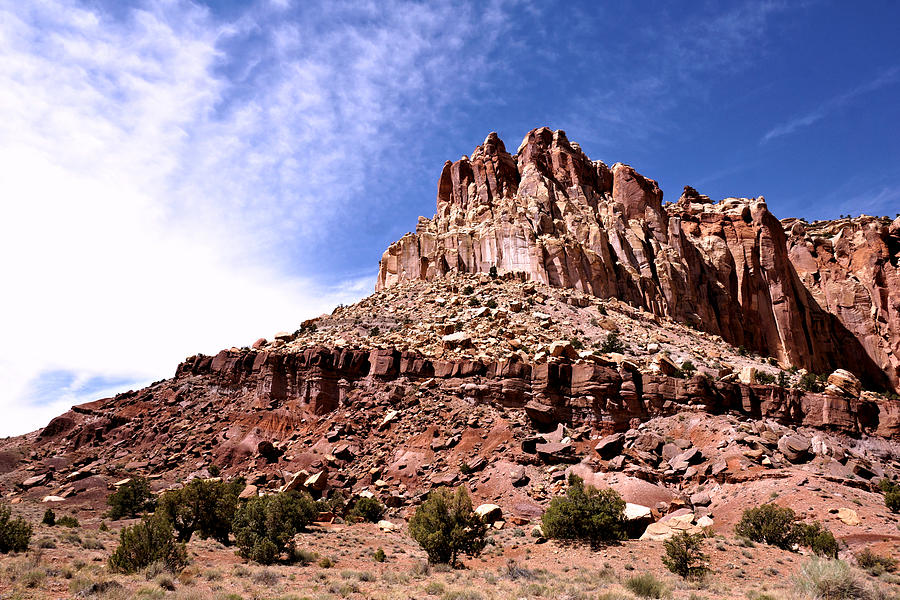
(179, 177)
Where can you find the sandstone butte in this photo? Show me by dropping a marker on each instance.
(813, 297)
(486, 358)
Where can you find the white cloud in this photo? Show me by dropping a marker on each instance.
(160, 169)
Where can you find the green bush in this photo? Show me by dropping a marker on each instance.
(445, 526)
(612, 343)
(367, 509)
(770, 524)
(265, 526)
(765, 378)
(206, 506)
(817, 538)
(49, 518)
(152, 540)
(585, 513)
(688, 368)
(14, 533)
(379, 555)
(684, 555)
(829, 580)
(646, 586)
(336, 503)
(875, 564)
(68, 521)
(130, 499)
(810, 383)
(891, 495)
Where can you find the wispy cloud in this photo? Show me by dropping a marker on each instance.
(164, 172)
(666, 64)
(885, 78)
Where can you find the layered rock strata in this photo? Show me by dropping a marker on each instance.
(550, 214)
(599, 393)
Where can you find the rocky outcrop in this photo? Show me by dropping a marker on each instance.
(550, 214)
(595, 392)
(851, 268)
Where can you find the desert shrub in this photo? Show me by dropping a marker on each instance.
(612, 343)
(14, 533)
(265, 526)
(152, 540)
(336, 503)
(379, 555)
(810, 383)
(684, 555)
(445, 526)
(817, 538)
(875, 564)
(585, 513)
(468, 289)
(68, 521)
(214, 470)
(49, 518)
(765, 378)
(374, 332)
(770, 524)
(367, 509)
(130, 499)
(782, 379)
(493, 272)
(646, 586)
(688, 368)
(829, 580)
(490, 303)
(206, 506)
(891, 495)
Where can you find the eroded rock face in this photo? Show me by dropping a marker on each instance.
(550, 214)
(851, 270)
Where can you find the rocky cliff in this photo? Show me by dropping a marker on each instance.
(816, 299)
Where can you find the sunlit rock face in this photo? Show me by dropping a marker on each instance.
(820, 298)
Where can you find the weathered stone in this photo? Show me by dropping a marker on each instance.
(610, 445)
(795, 447)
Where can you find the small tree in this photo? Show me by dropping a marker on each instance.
(265, 526)
(689, 368)
(204, 506)
(891, 495)
(816, 538)
(684, 555)
(49, 518)
(585, 513)
(612, 343)
(493, 272)
(446, 526)
(770, 524)
(152, 540)
(14, 533)
(131, 499)
(367, 509)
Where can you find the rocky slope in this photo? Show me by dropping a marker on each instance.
(608, 343)
(821, 298)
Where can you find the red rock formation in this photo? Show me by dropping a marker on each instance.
(552, 215)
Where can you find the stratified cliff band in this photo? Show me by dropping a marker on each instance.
(818, 298)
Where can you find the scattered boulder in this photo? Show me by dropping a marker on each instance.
(489, 513)
(844, 383)
(794, 447)
(610, 445)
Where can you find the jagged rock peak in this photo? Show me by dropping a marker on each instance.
(550, 214)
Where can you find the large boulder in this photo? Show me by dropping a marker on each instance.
(844, 382)
(795, 447)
